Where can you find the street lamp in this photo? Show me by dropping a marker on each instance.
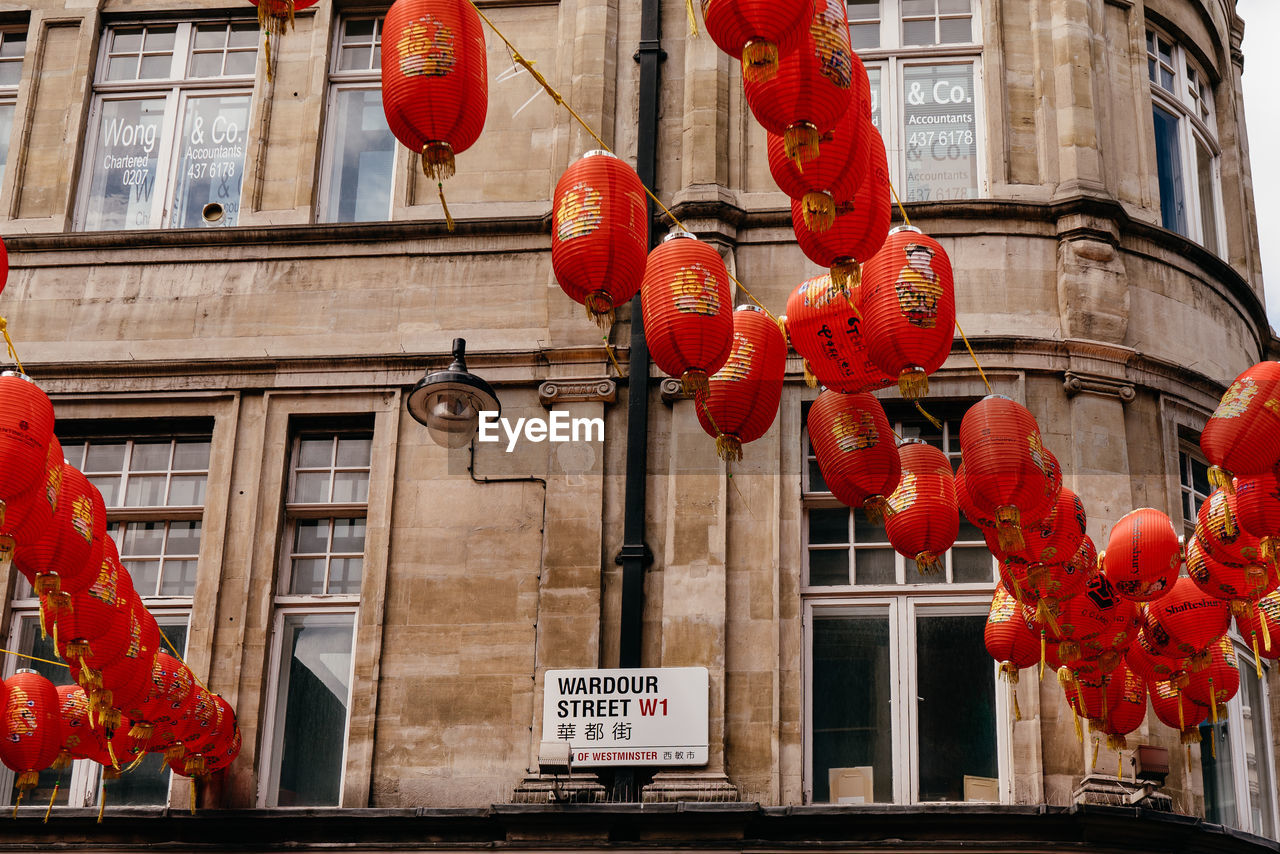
(449, 402)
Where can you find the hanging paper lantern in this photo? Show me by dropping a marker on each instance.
(66, 557)
(1261, 627)
(1175, 709)
(834, 176)
(31, 737)
(909, 304)
(1152, 666)
(856, 453)
(976, 517)
(1257, 508)
(435, 89)
(274, 16)
(923, 521)
(77, 619)
(192, 726)
(688, 310)
(1009, 474)
(166, 703)
(744, 394)
(26, 429)
(1243, 434)
(1215, 684)
(1084, 698)
(1072, 621)
(1142, 555)
(1009, 640)
(1054, 539)
(757, 32)
(78, 738)
(1223, 538)
(1185, 622)
(813, 86)
(860, 226)
(126, 678)
(220, 740)
(825, 326)
(1126, 707)
(1052, 581)
(1239, 586)
(599, 233)
(1125, 622)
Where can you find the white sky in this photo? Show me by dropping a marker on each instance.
(1262, 113)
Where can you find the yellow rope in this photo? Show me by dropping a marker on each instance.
(906, 219)
(33, 658)
(13, 354)
(608, 349)
(693, 21)
(973, 356)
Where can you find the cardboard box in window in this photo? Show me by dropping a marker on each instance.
(851, 785)
(981, 789)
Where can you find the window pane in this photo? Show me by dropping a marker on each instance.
(127, 41)
(918, 7)
(13, 45)
(191, 455)
(875, 566)
(816, 483)
(918, 32)
(955, 30)
(183, 539)
(143, 538)
(240, 62)
(308, 576)
(1219, 775)
(360, 171)
(828, 567)
(145, 490)
(940, 132)
(1200, 476)
(829, 525)
(351, 486)
(311, 536)
(211, 37)
(344, 574)
(971, 565)
(211, 159)
(155, 66)
(311, 718)
(6, 131)
(355, 58)
(348, 536)
(110, 489)
(1208, 204)
(10, 73)
(315, 453)
(186, 490)
(145, 574)
(104, 457)
(864, 36)
(359, 29)
(946, 7)
(206, 64)
(852, 709)
(873, 76)
(244, 35)
(1262, 796)
(179, 578)
(1173, 214)
(150, 456)
(124, 169)
(354, 451)
(159, 39)
(956, 693)
(311, 487)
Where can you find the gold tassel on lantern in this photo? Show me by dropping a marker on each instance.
(599, 306)
(876, 508)
(1199, 661)
(448, 220)
(760, 63)
(1008, 528)
(809, 379)
(800, 142)
(1266, 630)
(819, 210)
(1257, 659)
(729, 448)
(53, 797)
(1221, 479)
(1044, 614)
(695, 384)
(142, 731)
(913, 383)
(846, 276)
(1042, 657)
(7, 545)
(437, 160)
(928, 563)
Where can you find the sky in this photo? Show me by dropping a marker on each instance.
(1262, 113)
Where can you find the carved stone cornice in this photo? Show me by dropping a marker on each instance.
(552, 392)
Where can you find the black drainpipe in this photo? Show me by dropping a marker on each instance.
(635, 554)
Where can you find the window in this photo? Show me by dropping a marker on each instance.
(1186, 142)
(359, 147)
(1236, 757)
(897, 664)
(13, 45)
(923, 58)
(322, 562)
(170, 125)
(1193, 476)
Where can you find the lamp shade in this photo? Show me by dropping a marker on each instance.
(743, 396)
(1126, 694)
(1009, 640)
(855, 448)
(435, 89)
(1175, 709)
(1215, 684)
(599, 233)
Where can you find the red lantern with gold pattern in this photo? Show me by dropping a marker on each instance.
(744, 394)
(125, 679)
(1257, 509)
(1185, 622)
(26, 429)
(1149, 664)
(599, 233)
(1142, 555)
(859, 228)
(67, 556)
(77, 619)
(855, 448)
(1126, 694)
(1215, 684)
(196, 719)
(1125, 622)
(1054, 539)
(923, 521)
(1243, 434)
(1009, 475)
(435, 89)
(1239, 586)
(844, 156)
(688, 310)
(825, 326)
(1072, 621)
(1223, 538)
(78, 738)
(32, 727)
(1175, 709)
(757, 32)
(167, 700)
(909, 306)
(1009, 640)
(813, 86)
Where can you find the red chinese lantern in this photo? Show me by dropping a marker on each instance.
(1052, 581)
(26, 429)
(1152, 666)
(217, 746)
(66, 557)
(1185, 622)
(77, 619)
(1223, 539)
(1126, 696)
(923, 521)
(688, 310)
(435, 89)
(78, 738)
(1072, 621)
(1261, 627)
(1084, 698)
(744, 394)
(1257, 508)
(1175, 709)
(835, 174)
(1215, 684)
(1239, 586)
(825, 326)
(1125, 623)
(813, 86)
(599, 233)
(32, 736)
(1243, 434)
(909, 305)
(756, 32)
(855, 448)
(1143, 555)
(1009, 640)
(126, 678)
(273, 17)
(197, 719)
(1009, 475)
(1054, 539)
(859, 228)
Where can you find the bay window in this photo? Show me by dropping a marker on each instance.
(169, 127)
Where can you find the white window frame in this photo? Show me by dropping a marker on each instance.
(1189, 454)
(343, 80)
(902, 612)
(9, 94)
(1197, 124)
(892, 57)
(176, 91)
(269, 776)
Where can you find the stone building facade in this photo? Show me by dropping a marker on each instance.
(241, 391)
